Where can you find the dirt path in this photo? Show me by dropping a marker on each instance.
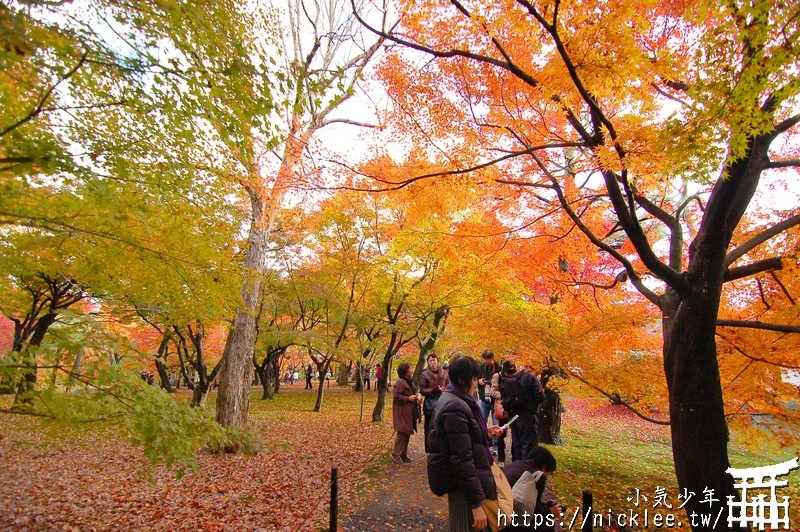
(401, 500)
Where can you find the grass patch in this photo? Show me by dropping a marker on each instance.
(612, 453)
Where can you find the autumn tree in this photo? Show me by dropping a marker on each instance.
(109, 171)
(429, 257)
(658, 124)
(46, 297)
(287, 315)
(324, 55)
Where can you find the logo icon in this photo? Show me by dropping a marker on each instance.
(759, 511)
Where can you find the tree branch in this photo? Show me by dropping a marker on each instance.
(349, 122)
(789, 163)
(786, 125)
(505, 65)
(39, 107)
(778, 327)
(634, 277)
(760, 238)
(616, 399)
(404, 183)
(752, 358)
(783, 287)
(765, 265)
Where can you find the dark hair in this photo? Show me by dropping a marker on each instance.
(462, 370)
(543, 458)
(509, 367)
(403, 369)
(429, 357)
(487, 354)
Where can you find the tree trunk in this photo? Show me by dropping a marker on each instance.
(233, 399)
(323, 373)
(549, 418)
(429, 345)
(359, 385)
(269, 375)
(342, 377)
(76, 369)
(161, 366)
(380, 403)
(275, 376)
(697, 417)
(164, 376)
(28, 381)
(263, 373)
(200, 393)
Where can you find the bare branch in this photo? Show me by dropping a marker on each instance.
(634, 277)
(349, 122)
(783, 287)
(665, 94)
(58, 226)
(786, 125)
(404, 183)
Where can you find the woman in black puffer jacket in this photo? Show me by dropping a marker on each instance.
(460, 461)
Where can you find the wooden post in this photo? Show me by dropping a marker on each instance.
(334, 498)
(587, 511)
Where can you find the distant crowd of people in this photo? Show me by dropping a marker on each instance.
(467, 410)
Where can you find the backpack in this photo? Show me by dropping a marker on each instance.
(525, 492)
(512, 394)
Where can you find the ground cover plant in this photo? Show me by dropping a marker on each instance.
(612, 452)
(87, 478)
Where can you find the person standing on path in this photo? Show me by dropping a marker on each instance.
(460, 463)
(405, 413)
(521, 393)
(489, 369)
(432, 382)
(309, 376)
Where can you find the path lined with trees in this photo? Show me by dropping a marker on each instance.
(606, 194)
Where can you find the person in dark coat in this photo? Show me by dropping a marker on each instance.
(538, 459)
(460, 461)
(521, 393)
(432, 382)
(309, 376)
(489, 369)
(405, 407)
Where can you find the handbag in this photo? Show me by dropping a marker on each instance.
(498, 511)
(526, 493)
(499, 411)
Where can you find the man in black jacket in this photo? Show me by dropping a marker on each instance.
(488, 370)
(521, 393)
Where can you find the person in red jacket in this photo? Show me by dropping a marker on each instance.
(405, 408)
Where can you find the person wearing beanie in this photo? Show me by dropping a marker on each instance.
(521, 394)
